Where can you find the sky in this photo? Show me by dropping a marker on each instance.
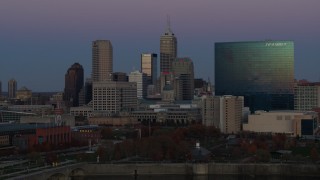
(41, 39)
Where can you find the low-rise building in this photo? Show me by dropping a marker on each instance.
(292, 123)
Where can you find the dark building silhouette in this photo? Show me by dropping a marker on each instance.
(73, 84)
(261, 71)
(88, 91)
(120, 76)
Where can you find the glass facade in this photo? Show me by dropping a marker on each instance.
(261, 71)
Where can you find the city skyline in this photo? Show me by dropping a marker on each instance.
(36, 35)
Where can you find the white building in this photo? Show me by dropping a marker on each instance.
(142, 83)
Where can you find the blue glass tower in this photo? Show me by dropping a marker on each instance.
(261, 71)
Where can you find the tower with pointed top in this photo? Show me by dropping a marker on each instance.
(168, 53)
(168, 49)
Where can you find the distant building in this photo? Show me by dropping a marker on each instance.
(102, 60)
(228, 113)
(12, 88)
(168, 53)
(168, 114)
(306, 96)
(167, 95)
(261, 71)
(73, 84)
(119, 77)
(206, 104)
(142, 83)
(184, 78)
(113, 97)
(168, 50)
(24, 94)
(85, 111)
(291, 123)
(149, 67)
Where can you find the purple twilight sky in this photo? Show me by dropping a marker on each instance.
(41, 39)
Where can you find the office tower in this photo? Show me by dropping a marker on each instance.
(102, 60)
(261, 71)
(142, 83)
(168, 52)
(73, 84)
(149, 66)
(306, 96)
(228, 113)
(12, 88)
(119, 76)
(184, 78)
(113, 97)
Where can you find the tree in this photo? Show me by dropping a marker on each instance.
(314, 154)
(106, 133)
(263, 155)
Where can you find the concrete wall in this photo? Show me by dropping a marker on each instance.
(204, 169)
(302, 170)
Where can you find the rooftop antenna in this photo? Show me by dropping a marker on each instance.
(168, 24)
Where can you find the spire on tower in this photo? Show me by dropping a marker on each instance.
(168, 30)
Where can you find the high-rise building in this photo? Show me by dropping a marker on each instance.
(168, 50)
(102, 60)
(73, 84)
(113, 97)
(142, 83)
(149, 66)
(261, 71)
(228, 113)
(184, 78)
(306, 96)
(12, 88)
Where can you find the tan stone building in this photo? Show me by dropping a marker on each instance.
(228, 113)
(24, 94)
(102, 60)
(292, 123)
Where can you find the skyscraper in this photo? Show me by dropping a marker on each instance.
(168, 50)
(184, 78)
(261, 71)
(149, 66)
(102, 60)
(12, 88)
(73, 84)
